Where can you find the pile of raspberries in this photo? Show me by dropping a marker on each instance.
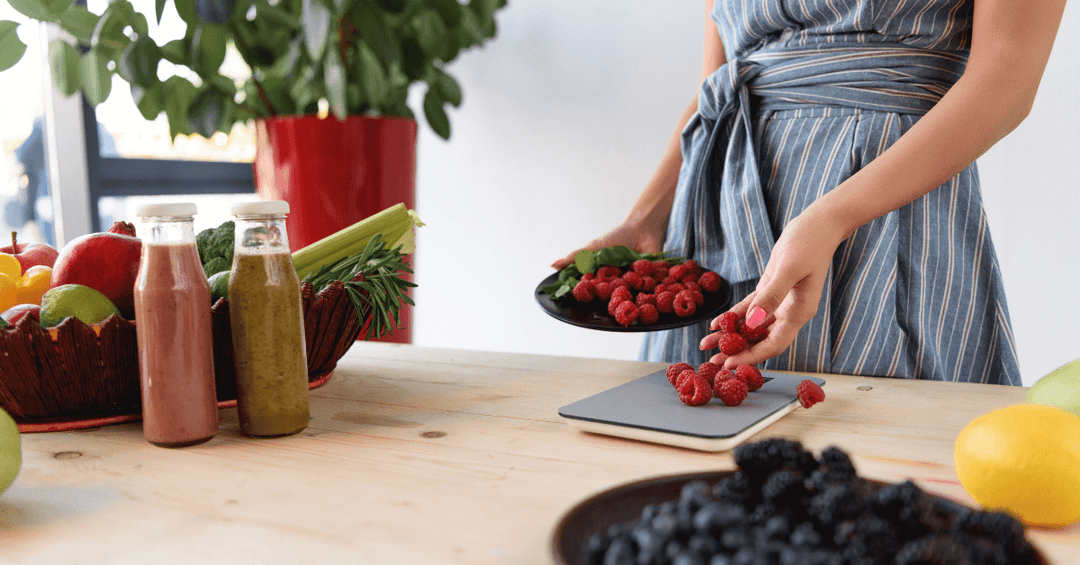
(647, 289)
(696, 388)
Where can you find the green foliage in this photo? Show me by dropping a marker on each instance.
(360, 56)
(215, 247)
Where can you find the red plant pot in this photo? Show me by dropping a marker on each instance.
(334, 173)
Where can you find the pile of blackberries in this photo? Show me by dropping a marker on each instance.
(785, 506)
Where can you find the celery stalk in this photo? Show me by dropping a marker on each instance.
(395, 224)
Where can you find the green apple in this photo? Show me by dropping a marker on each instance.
(10, 450)
(1060, 388)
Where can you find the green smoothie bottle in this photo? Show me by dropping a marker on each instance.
(267, 324)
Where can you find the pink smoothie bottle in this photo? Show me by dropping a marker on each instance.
(172, 321)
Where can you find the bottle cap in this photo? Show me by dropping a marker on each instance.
(261, 208)
(167, 210)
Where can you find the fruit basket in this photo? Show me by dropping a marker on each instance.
(76, 375)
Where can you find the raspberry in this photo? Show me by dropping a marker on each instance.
(689, 278)
(679, 271)
(648, 284)
(584, 292)
(731, 392)
(618, 296)
(675, 287)
(709, 370)
(750, 375)
(588, 276)
(710, 281)
(660, 287)
(633, 280)
(693, 286)
(693, 267)
(626, 313)
(674, 369)
(643, 267)
(753, 335)
(699, 299)
(694, 391)
(809, 393)
(665, 302)
(683, 375)
(647, 314)
(731, 344)
(603, 289)
(608, 271)
(684, 304)
(617, 282)
(723, 375)
(729, 322)
(645, 298)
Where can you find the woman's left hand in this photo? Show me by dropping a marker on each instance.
(789, 291)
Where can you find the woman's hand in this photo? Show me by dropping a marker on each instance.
(788, 293)
(635, 235)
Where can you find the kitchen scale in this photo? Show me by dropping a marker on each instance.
(648, 409)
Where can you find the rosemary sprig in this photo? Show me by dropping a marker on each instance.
(373, 280)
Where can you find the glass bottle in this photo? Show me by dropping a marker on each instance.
(267, 324)
(174, 332)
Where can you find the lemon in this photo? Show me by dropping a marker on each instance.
(10, 266)
(219, 286)
(1023, 459)
(77, 300)
(10, 450)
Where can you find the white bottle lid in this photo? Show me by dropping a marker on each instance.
(167, 210)
(261, 208)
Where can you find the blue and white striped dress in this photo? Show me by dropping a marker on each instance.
(812, 91)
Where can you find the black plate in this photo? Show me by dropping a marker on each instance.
(594, 315)
(623, 504)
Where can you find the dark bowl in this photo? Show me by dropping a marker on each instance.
(624, 503)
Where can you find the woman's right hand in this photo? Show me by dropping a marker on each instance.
(631, 234)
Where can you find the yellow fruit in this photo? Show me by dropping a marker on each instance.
(10, 450)
(77, 300)
(10, 266)
(34, 283)
(8, 296)
(1023, 459)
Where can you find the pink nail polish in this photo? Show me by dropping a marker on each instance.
(755, 318)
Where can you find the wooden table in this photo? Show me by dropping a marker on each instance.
(427, 456)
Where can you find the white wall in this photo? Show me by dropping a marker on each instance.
(564, 118)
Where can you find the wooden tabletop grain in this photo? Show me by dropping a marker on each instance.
(429, 456)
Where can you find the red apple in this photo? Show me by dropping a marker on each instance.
(105, 262)
(15, 313)
(30, 254)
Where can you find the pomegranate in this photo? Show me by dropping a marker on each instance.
(106, 262)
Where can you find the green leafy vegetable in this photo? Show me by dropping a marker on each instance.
(588, 261)
(216, 248)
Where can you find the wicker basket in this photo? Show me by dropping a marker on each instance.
(75, 375)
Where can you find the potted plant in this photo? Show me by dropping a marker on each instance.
(352, 59)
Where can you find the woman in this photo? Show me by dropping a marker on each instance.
(826, 170)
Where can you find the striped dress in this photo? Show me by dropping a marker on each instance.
(812, 91)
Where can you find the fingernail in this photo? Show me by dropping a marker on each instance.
(755, 318)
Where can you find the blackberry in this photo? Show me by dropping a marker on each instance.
(778, 527)
(720, 559)
(735, 489)
(748, 557)
(910, 507)
(734, 539)
(620, 552)
(704, 544)
(934, 549)
(837, 463)
(648, 541)
(592, 553)
(1005, 530)
(837, 502)
(665, 525)
(715, 517)
(761, 459)
(696, 494)
(784, 488)
(867, 538)
(806, 535)
(688, 558)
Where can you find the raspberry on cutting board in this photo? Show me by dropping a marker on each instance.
(809, 393)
